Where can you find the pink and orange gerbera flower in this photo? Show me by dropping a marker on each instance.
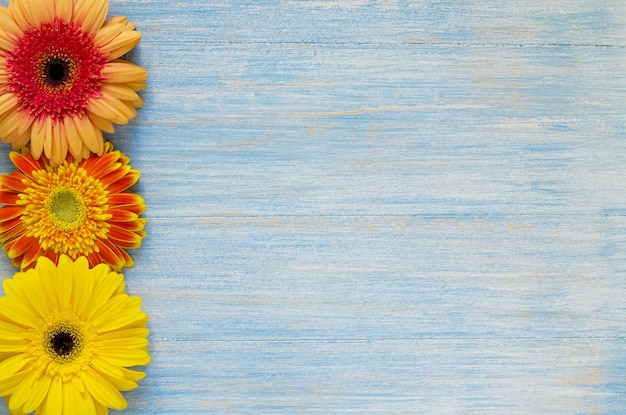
(78, 208)
(62, 81)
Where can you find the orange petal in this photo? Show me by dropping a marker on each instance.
(124, 183)
(12, 181)
(117, 215)
(11, 229)
(115, 175)
(95, 166)
(24, 163)
(123, 237)
(32, 254)
(10, 212)
(110, 254)
(18, 246)
(8, 197)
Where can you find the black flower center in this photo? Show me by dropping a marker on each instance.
(63, 342)
(56, 72)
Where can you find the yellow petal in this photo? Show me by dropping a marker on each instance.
(120, 91)
(64, 280)
(115, 20)
(43, 9)
(101, 123)
(63, 9)
(106, 368)
(25, 123)
(8, 383)
(38, 393)
(16, 311)
(48, 137)
(85, 153)
(107, 33)
(90, 14)
(123, 72)
(59, 144)
(37, 137)
(19, 11)
(54, 399)
(82, 292)
(6, 42)
(124, 111)
(103, 290)
(9, 122)
(137, 86)
(20, 140)
(37, 11)
(12, 365)
(103, 391)
(23, 390)
(125, 357)
(104, 109)
(123, 43)
(7, 23)
(70, 398)
(74, 141)
(8, 101)
(90, 135)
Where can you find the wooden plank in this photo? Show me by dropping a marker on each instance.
(381, 206)
(327, 129)
(580, 22)
(444, 376)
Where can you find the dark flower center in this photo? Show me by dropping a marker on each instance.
(63, 342)
(56, 72)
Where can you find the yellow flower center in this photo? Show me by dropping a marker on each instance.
(65, 209)
(61, 344)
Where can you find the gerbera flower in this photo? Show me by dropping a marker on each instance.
(76, 208)
(67, 337)
(61, 82)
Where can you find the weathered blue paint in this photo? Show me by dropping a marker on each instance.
(381, 206)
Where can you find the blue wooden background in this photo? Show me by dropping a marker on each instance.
(383, 206)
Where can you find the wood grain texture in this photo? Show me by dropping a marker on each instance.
(381, 206)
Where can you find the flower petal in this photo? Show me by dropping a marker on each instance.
(123, 72)
(122, 44)
(103, 391)
(63, 9)
(90, 14)
(37, 394)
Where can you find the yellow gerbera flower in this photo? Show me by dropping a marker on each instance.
(76, 208)
(61, 82)
(67, 337)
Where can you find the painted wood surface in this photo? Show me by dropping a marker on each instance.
(381, 206)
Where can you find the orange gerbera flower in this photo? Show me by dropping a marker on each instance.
(79, 208)
(61, 82)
